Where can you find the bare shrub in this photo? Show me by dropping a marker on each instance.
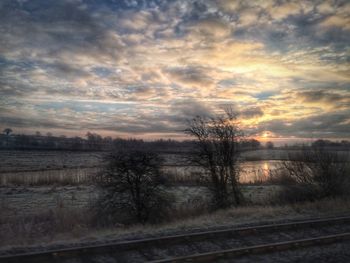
(132, 187)
(217, 153)
(315, 173)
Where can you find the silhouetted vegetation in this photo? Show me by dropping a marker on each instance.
(132, 186)
(249, 144)
(315, 173)
(269, 145)
(334, 145)
(7, 131)
(96, 142)
(92, 142)
(217, 152)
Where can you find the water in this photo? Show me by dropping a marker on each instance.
(258, 171)
(250, 171)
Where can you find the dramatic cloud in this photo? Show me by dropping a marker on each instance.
(141, 68)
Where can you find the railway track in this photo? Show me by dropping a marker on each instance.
(208, 246)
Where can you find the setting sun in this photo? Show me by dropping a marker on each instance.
(265, 135)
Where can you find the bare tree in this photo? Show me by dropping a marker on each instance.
(7, 131)
(94, 140)
(217, 152)
(269, 145)
(132, 183)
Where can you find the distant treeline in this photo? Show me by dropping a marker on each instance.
(341, 145)
(95, 142)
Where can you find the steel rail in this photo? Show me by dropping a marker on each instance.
(121, 246)
(259, 249)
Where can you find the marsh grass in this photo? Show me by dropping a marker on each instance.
(68, 176)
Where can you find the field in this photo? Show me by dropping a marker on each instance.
(36, 200)
(15, 161)
(50, 195)
(35, 168)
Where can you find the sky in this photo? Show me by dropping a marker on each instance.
(135, 68)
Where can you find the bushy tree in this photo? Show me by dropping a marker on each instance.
(132, 184)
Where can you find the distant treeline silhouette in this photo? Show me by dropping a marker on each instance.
(96, 142)
(342, 145)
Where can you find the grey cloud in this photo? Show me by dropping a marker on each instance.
(318, 126)
(138, 127)
(40, 30)
(14, 89)
(181, 111)
(321, 95)
(189, 75)
(252, 112)
(64, 70)
(22, 122)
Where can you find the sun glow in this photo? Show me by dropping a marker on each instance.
(265, 135)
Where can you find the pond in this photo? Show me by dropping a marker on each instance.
(258, 171)
(250, 171)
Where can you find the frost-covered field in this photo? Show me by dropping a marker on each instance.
(31, 215)
(35, 200)
(33, 182)
(45, 160)
(45, 194)
(26, 160)
(13, 161)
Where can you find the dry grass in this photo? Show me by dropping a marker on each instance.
(45, 226)
(64, 226)
(67, 176)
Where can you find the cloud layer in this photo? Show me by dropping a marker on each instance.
(141, 68)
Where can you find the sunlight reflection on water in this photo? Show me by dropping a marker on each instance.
(257, 171)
